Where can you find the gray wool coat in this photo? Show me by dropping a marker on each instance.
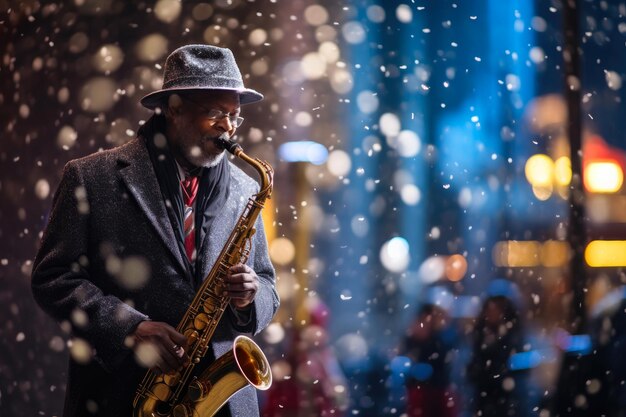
(109, 259)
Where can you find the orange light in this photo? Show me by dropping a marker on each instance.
(606, 253)
(603, 177)
(554, 253)
(539, 170)
(563, 171)
(456, 267)
(514, 253)
(530, 253)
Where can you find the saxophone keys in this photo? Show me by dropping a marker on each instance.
(200, 321)
(192, 337)
(171, 379)
(209, 306)
(161, 391)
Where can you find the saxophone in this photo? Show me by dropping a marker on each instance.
(180, 394)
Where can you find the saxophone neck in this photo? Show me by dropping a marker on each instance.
(265, 171)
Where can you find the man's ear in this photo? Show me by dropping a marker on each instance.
(174, 105)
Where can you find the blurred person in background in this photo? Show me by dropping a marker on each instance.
(606, 372)
(135, 230)
(428, 346)
(497, 335)
(315, 385)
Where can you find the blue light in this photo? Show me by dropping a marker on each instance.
(579, 343)
(303, 151)
(525, 360)
(422, 371)
(400, 365)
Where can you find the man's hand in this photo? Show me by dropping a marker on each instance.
(159, 346)
(241, 285)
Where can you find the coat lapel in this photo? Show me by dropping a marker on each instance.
(138, 174)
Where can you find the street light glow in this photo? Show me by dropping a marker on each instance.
(606, 253)
(603, 177)
(303, 151)
(539, 170)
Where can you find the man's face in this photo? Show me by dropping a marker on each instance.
(192, 130)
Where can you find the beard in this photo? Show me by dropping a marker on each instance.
(198, 159)
(203, 152)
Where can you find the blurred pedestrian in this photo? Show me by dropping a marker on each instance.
(609, 359)
(427, 379)
(497, 336)
(315, 385)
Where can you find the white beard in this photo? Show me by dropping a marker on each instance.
(214, 161)
(196, 158)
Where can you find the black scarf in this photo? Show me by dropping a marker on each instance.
(212, 194)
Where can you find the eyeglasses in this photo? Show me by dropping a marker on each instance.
(216, 114)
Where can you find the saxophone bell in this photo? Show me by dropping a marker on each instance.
(245, 364)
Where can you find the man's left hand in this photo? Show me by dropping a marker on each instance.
(241, 285)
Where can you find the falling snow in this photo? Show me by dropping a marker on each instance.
(422, 227)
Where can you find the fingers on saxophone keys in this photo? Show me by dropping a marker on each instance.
(169, 361)
(179, 351)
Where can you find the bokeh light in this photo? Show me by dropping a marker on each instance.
(42, 188)
(606, 253)
(563, 171)
(367, 101)
(404, 13)
(432, 269)
(456, 267)
(389, 124)
(202, 11)
(375, 13)
(410, 194)
(353, 32)
(66, 138)
(313, 66)
(152, 47)
(539, 170)
(257, 37)
(395, 254)
(108, 58)
(98, 94)
(315, 15)
(407, 143)
(339, 163)
(282, 251)
(341, 81)
(603, 177)
(167, 10)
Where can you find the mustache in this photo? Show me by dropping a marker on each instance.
(217, 138)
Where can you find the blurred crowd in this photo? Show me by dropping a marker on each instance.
(492, 364)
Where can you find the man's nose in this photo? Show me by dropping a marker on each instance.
(224, 123)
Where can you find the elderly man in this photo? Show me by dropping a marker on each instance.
(134, 230)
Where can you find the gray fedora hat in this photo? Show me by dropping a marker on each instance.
(201, 67)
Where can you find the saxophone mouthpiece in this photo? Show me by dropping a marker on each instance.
(225, 142)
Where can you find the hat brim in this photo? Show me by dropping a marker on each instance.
(156, 99)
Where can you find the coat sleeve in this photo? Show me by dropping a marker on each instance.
(266, 301)
(61, 282)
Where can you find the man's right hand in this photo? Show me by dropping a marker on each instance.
(159, 346)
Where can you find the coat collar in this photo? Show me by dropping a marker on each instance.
(138, 174)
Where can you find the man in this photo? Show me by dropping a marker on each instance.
(134, 231)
